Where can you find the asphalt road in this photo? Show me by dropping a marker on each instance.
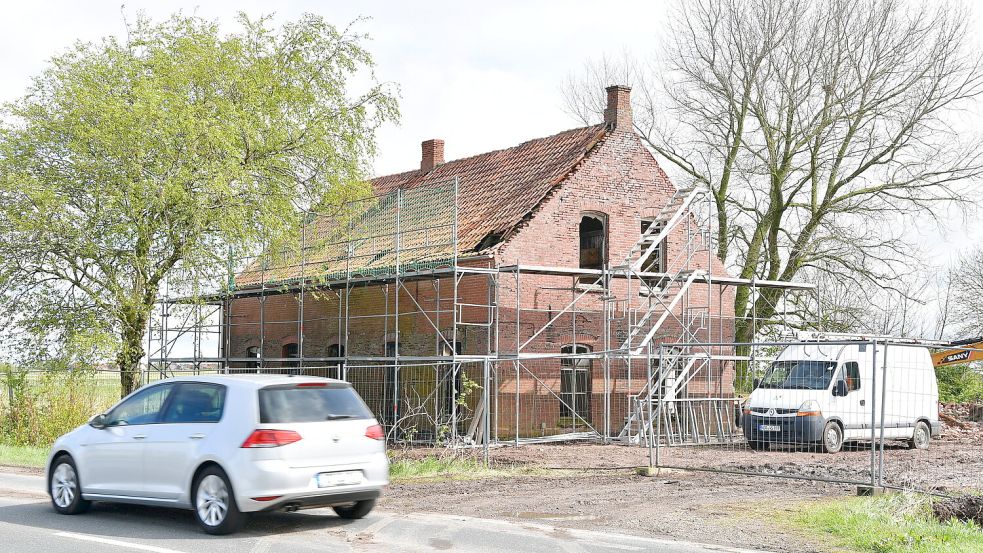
(28, 523)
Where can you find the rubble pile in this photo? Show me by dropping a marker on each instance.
(966, 508)
(961, 420)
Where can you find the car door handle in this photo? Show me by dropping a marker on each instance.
(196, 436)
(139, 436)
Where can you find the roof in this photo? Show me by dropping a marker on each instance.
(497, 189)
(257, 380)
(415, 210)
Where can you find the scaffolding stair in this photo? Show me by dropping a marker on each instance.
(665, 221)
(668, 298)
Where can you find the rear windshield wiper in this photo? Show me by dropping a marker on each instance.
(334, 417)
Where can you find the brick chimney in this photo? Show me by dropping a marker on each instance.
(618, 113)
(433, 154)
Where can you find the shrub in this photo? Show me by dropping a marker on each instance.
(959, 384)
(40, 406)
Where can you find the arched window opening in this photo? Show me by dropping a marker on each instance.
(593, 245)
(252, 352)
(575, 385)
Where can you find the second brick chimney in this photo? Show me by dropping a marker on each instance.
(433, 154)
(618, 113)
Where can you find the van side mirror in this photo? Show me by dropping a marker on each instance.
(98, 422)
(839, 389)
(755, 383)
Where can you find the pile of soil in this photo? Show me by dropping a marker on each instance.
(965, 508)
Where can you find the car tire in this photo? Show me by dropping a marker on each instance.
(921, 437)
(757, 445)
(65, 488)
(214, 504)
(832, 439)
(357, 510)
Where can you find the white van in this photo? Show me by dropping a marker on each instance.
(825, 394)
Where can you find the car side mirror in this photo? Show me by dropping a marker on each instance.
(98, 422)
(755, 383)
(839, 389)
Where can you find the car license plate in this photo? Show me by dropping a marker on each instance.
(343, 478)
(769, 428)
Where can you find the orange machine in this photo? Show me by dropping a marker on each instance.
(974, 352)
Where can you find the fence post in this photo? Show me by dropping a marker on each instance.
(485, 414)
(880, 467)
(873, 416)
(648, 401)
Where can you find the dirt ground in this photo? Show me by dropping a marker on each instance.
(711, 507)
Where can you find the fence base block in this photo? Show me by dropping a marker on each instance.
(870, 491)
(655, 471)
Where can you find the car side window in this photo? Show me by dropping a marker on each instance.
(851, 373)
(143, 408)
(195, 402)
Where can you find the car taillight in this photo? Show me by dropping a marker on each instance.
(271, 438)
(375, 432)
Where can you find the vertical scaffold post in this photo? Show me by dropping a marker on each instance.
(880, 466)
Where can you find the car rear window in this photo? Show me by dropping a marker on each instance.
(310, 403)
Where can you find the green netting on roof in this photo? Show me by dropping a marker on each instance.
(407, 230)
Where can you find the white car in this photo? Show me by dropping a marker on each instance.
(224, 446)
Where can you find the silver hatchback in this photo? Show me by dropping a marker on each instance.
(225, 446)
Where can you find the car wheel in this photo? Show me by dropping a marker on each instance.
(921, 437)
(214, 503)
(832, 441)
(64, 487)
(357, 510)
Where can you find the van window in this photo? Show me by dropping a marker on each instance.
(851, 371)
(310, 403)
(799, 375)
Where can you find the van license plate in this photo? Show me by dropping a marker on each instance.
(343, 478)
(769, 428)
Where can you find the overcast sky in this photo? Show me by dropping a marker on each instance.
(480, 76)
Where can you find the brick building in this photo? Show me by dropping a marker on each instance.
(563, 262)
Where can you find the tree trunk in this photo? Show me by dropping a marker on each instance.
(131, 352)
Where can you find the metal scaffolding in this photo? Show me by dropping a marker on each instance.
(446, 345)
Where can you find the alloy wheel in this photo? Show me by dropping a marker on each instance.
(64, 485)
(212, 500)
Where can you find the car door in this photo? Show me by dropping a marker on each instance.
(174, 447)
(112, 457)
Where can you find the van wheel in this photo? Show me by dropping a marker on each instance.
(921, 437)
(357, 510)
(64, 487)
(757, 445)
(214, 503)
(832, 441)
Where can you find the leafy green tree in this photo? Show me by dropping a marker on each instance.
(128, 162)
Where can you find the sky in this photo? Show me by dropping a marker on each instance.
(480, 76)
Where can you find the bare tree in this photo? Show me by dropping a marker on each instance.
(821, 129)
(966, 305)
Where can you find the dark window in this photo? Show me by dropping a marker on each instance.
(196, 402)
(290, 351)
(656, 261)
(293, 403)
(252, 352)
(575, 384)
(851, 372)
(452, 381)
(391, 403)
(142, 408)
(593, 252)
(334, 367)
